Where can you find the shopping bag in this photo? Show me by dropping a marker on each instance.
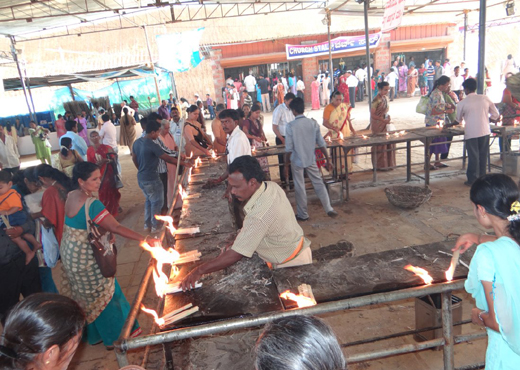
(422, 105)
(51, 248)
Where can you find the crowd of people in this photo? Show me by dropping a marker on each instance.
(57, 197)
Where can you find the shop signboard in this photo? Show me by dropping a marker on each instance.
(394, 12)
(338, 45)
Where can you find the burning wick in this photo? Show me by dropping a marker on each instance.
(198, 162)
(364, 137)
(453, 265)
(213, 154)
(301, 300)
(162, 256)
(168, 220)
(182, 192)
(158, 321)
(422, 273)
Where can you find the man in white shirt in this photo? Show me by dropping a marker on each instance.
(282, 115)
(476, 111)
(130, 110)
(237, 145)
(325, 88)
(390, 78)
(78, 144)
(456, 81)
(176, 125)
(300, 88)
(108, 134)
(9, 156)
(361, 76)
(352, 83)
(250, 82)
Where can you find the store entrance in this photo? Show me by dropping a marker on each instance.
(267, 70)
(419, 56)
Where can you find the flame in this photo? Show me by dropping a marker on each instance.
(341, 135)
(191, 156)
(449, 273)
(329, 139)
(364, 137)
(168, 220)
(182, 192)
(301, 300)
(422, 273)
(402, 132)
(253, 149)
(198, 162)
(189, 174)
(162, 256)
(213, 155)
(158, 321)
(387, 135)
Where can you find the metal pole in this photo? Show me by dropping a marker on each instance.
(22, 80)
(152, 64)
(465, 32)
(447, 332)
(248, 322)
(331, 67)
(367, 46)
(481, 47)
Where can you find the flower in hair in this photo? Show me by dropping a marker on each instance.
(515, 207)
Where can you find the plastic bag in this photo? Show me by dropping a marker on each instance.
(422, 106)
(51, 248)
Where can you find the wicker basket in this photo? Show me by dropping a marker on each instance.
(408, 196)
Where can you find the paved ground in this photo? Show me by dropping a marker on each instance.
(367, 220)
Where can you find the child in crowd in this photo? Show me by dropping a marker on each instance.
(11, 215)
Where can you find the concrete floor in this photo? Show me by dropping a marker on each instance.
(367, 220)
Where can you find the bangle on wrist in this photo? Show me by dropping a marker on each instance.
(480, 315)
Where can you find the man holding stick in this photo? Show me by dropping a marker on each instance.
(270, 228)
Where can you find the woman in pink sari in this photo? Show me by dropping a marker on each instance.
(315, 90)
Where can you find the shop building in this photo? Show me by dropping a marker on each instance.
(267, 57)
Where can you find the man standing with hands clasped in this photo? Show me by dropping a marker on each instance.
(301, 137)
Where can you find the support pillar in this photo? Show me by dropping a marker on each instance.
(481, 48)
(383, 56)
(219, 80)
(310, 68)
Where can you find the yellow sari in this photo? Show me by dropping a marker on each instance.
(340, 118)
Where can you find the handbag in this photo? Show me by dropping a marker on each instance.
(51, 248)
(105, 253)
(422, 106)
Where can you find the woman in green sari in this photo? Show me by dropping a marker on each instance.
(41, 143)
(101, 298)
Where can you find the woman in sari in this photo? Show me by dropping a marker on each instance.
(423, 80)
(197, 142)
(336, 117)
(383, 156)
(253, 128)
(67, 157)
(494, 269)
(280, 89)
(412, 81)
(315, 90)
(105, 158)
(100, 297)
(41, 143)
(402, 72)
(56, 186)
(343, 89)
(127, 136)
(436, 111)
(169, 142)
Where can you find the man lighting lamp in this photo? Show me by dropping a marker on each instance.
(270, 227)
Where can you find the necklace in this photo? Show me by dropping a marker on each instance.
(87, 193)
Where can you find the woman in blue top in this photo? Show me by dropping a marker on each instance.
(105, 306)
(494, 273)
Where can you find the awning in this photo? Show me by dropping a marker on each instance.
(414, 45)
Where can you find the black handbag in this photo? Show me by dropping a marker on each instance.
(105, 253)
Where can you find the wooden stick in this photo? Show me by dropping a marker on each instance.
(188, 230)
(173, 288)
(460, 261)
(175, 312)
(455, 259)
(181, 315)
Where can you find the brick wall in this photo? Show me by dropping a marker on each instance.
(197, 80)
(383, 56)
(310, 68)
(219, 79)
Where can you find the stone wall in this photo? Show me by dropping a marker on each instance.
(383, 57)
(197, 80)
(310, 68)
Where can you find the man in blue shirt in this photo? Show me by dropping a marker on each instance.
(78, 144)
(430, 69)
(301, 137)
(146, 155)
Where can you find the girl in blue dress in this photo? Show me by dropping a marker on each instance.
(494, 273)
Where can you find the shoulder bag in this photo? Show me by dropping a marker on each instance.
(422, 106)
(104, 251)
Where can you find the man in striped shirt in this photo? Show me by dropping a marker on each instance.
(270, 228)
